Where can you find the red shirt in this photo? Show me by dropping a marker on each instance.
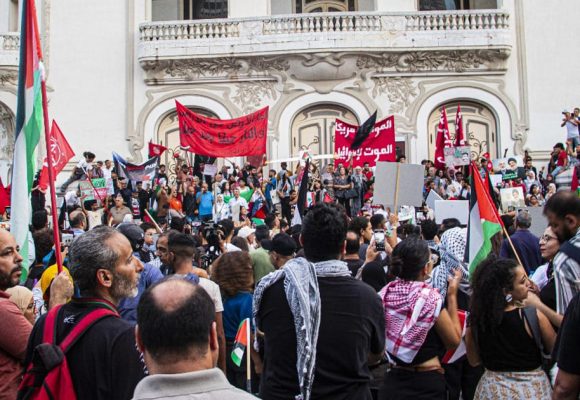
(14, 333)
(562, 157)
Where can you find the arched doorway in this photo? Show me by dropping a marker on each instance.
(479, 125)
(7, 126)
(313, 128)
(168, 135)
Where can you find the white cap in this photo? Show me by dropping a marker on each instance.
(245, 232)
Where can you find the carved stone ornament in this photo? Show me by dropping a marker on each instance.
(400, 92)
(8, 78)
(249, 95)
(7, 126)
(436, 61)
(196, 69)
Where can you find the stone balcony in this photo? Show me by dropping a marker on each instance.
(392, 37)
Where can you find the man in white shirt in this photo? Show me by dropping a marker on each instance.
(236, 203)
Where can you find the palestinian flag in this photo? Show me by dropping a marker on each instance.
(245, 194)
(29, 127)
(241, 342)
(453, 355)
(483, 224)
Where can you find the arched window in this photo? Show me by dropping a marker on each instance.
(314, 6)
(438, 5)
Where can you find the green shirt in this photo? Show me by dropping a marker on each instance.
(261, 264)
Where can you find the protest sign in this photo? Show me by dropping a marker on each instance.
(512, 198)
(431, 198)
(379, 146)
(509, 167)
(406, 190)
(88, 192)
(210, 169)
(244, 136)
(452, 209)
(457, 156)
(539, 220)
(495, 179)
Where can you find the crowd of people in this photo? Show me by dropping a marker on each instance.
(350, 301)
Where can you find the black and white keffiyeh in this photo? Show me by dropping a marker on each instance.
(303, 295)
(451, 250)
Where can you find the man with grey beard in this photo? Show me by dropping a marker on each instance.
(104, 363)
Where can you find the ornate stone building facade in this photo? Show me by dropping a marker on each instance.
(116, 68)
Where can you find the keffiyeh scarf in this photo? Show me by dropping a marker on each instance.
(303, 295)
(411, 310)
(451, 250)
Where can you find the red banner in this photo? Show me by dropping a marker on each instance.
(442, 140)
(379, 146)
(244, 136)
(61, 154)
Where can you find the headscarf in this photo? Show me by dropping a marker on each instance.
(451, 250)
(303, 296)
(20, 296)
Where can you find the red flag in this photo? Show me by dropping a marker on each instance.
(459, 134)
(156, 149)
(244, 136)
(4, 197)
(443, 140)
(574, 185)
(61, 154)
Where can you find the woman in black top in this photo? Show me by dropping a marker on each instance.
(499, 336)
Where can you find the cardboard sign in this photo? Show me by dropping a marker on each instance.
(495, 179)
(512, 198)
(100, 186)
(452, 209)
(457, 156)
(410, 191)
(431, 198)
(210, 169)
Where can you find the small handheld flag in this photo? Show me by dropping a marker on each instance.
(241, 342)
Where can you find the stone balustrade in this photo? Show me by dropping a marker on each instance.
(371, 31)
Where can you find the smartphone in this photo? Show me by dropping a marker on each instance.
(379, 236)
(67, 239)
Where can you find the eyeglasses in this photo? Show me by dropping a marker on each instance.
(546, 238)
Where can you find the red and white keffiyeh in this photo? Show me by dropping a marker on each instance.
(411, 309)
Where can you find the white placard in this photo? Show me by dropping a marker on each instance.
(210, 169)
(452, 209)
(410, 184)
(431, 198)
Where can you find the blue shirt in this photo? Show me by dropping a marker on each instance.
(206, 204)
(528, 247)
(236, 309)
(128, 306)
(271, 185)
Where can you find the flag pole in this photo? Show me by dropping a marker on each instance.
(51, 179)
(248, 363)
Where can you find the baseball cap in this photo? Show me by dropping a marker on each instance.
(281, 243)
(133, 233)
(245, 231)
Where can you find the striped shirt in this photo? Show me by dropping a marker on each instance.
(566, 276)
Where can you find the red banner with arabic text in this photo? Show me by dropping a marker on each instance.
(379, 146)
(244, 136)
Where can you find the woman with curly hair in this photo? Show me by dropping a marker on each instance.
(418, 329)
(501, 337)
(235, 277)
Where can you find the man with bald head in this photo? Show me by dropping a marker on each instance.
(176, 332)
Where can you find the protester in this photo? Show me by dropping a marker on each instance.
(415, 345)
(525, 243)
(282, 248)
(118, 212)
(566, 354)
(23, 298)
(501, 334)
(261, 263)
(176, 333)
(233, 273)
(104, 362)
(351, 256)
(301, 309)
(82, 170)
(563, 213)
